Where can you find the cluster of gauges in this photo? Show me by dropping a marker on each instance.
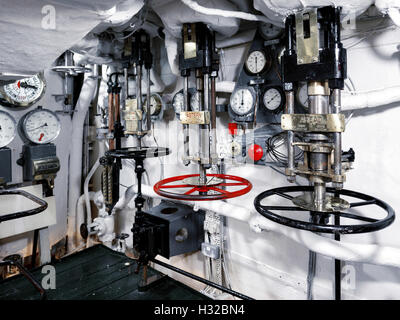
(194, 104)
(39, 126)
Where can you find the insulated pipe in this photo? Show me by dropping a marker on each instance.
(80, 214)
(224, 13)
(171, 45)
(75, 159)
(347, 251)
(370, 99)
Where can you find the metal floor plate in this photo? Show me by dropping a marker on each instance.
(96, 273)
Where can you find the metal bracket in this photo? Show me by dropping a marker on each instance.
(307, 37)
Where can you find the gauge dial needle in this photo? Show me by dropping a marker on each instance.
(41, 136)
(25, 85)
(43, 125)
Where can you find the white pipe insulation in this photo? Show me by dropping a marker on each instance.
(224, 13)
(75, 159)
(346, 251)
(171, 45)
(371, 99)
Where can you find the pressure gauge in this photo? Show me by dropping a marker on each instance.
(195, 101)
(156, 104)
(273, 99)
(8, 128)
(257, 62)
(24, 92)
(242, 100)
(269, 31)
(177, 102)
(41, 126)
(302, 95)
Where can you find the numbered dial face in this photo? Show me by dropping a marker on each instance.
(270, 31)
(242, 101)
(7, 128)
(177, 102)
(272, 99)
(256, 62)
(302, 95)
(41, 126)
(24, 92)
(195, 101)
(155, 104)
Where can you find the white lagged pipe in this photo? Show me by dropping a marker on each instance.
(370, 99)
(75, 159)
(224, 13)
(80, 217)
(171, 45)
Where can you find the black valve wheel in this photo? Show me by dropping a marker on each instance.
(138, 152)
(367, 224)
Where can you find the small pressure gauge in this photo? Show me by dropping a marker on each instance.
(24, 92)
(243, 100)
(156, 104)
(177, 102)
(273, 99)
(195, 101)
(41, 126)
(257, 62)
(8, 128)
(302, 95)
(269, 31)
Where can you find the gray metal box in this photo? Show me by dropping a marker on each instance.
(5, 165)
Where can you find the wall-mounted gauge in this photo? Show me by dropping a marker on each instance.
(24, 92)
(302, 95)
(177, 102)
(40, 126)
(195, 101)
(243, 100)
(156, 104)
(8, 128)
(273, 99)
(257, 62)
(269, 31)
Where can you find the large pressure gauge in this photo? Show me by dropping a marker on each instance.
(8, 128)
(257, 62)
(243, 100)
(41, 126)
(177, 102)
(156, 104)
(24, 92)
(273, 99)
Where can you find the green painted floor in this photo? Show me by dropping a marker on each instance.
(96, 273)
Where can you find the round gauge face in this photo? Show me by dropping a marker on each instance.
(195, 101)
(24, 92)
(177, 102)
(41, 126)
(242, 101)
(256, 62)
(270, 31)
(272, 99)
(155, 104)
(8, 128)
(302, 95)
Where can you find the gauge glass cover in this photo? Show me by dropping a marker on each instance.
(272, 99)
(24, 92)
(256, 62)
(8, 128)
(242, 101)
(41, 126)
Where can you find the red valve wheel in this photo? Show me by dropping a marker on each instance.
(212, 190)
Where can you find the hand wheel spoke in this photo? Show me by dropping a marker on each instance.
(354, 216)
(219, 190)
(284, 208)
(191, 190)
(362, 203)
(284, 195)
(176, 186)
(230, 184)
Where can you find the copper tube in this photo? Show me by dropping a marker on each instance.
(111, 144)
